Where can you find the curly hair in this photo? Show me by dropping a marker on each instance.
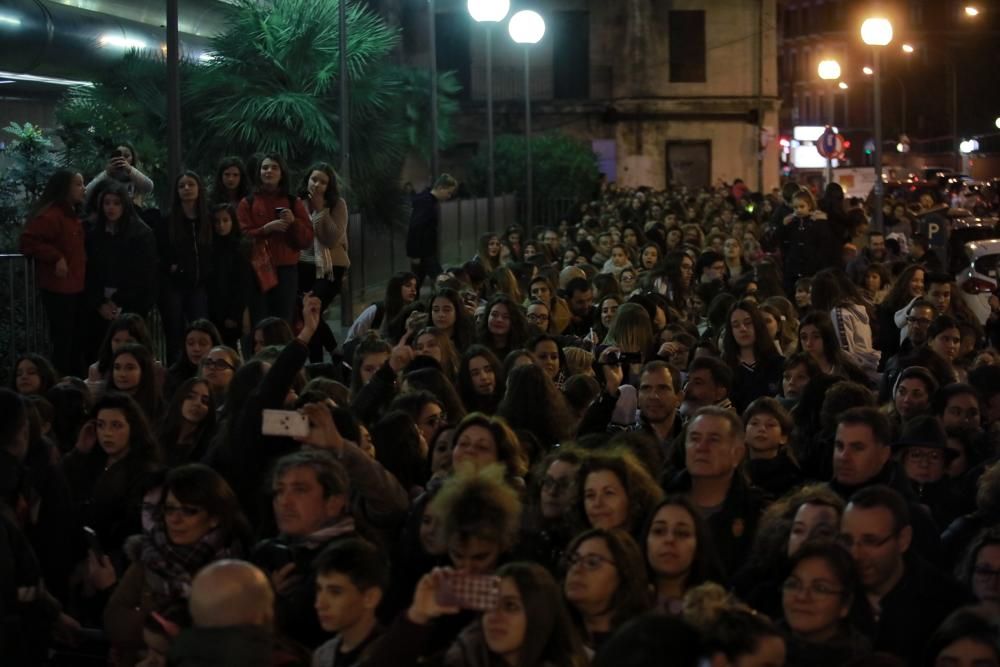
(641, 490)
(479, 505)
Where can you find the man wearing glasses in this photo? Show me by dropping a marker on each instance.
(862, 457)
(918, 320)
(909, 598)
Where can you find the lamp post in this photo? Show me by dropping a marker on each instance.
(489, 12)
(432, 38)
(877, 32)
(527, 27)
(829, 70)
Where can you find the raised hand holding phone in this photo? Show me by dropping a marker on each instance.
(426, 606)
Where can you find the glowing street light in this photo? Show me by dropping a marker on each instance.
(842, 85)
(971, 10)
(527, 27)
(489, 12)
(867, 71)
(997, 122)
(875, 32)
(828, 70)
(907, 48)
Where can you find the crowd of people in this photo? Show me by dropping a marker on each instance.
(683, 428)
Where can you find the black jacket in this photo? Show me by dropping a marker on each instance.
(228, 281)
(192, 259)
(926, 535)
(912, 611)
(776, 476)
(735, 524)
(422, 235)
(807, 245)
(764, 379)
(123, 264)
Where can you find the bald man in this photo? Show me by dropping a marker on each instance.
(232, 606)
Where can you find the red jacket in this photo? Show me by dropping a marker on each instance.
(57, 233)
(284, 246)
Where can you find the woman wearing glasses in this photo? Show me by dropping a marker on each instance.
(191, 521)
(548, 520)
(218, 368)
(605, 583)
(823, 602)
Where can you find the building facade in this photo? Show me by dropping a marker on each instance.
(678, 92)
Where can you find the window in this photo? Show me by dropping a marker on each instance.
(687, 46)
(570, 55)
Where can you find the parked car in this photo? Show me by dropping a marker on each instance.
(978, 281)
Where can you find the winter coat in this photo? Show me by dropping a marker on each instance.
(185, 262)
(283, 246)
(807, 245)
(122, 265)
(422, 235)
(854, 333)
(228, 280)
(57, 233)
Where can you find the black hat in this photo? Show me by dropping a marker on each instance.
(924, 431)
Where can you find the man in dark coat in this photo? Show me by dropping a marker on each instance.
(909, 597)
(422, 236)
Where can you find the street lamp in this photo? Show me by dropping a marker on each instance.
(489, 12)
(842, 85)
(867, 71)
(877, 32)
(527, 27)
(829, 70)
(997, 122)
(907, 48)
(970, 10)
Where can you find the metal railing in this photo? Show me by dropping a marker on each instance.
(378, 251)
(22, 325)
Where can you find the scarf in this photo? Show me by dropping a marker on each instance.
(319, 538)
(171, 567)
(324, 258)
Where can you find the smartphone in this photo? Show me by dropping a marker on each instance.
(630, 358)
(285, 423)
(278, 212)
(274, 556)
(93, 543)
(479, 592)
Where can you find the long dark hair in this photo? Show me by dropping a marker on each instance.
(129, 216)
(397, 448)
(46, 372)
(899, 294)
(464, 330)
(518, 333)
(178, 228)
(763, 344)
(136, 327)
(393, 302)
(56, 191)
(533, 403)
(147, 394)
(832, 289)
(332, 194)
(467, 391)
(219, 193)
(170, 431)
(142, 444)
(705, 566)
(552, 640)
(832, 351)
(284, 183)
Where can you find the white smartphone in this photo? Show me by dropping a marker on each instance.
(285, 423)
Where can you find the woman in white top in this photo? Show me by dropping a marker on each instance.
(323, 264)
(833, 293)
(122, 168)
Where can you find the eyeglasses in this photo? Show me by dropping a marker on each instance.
(218, 364)
(590, 562)
(796, 585)
(436, 420)
(986, 574)
(866, 542)
(925, 456)
(535, 317)
(187, 511)
(556, 486)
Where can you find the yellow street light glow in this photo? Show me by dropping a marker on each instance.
(867, 71)
(828, 69)
(971, 10)
(842, 85)
(876, 31)
(907, 48)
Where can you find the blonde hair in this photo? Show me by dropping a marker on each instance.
(631, 329)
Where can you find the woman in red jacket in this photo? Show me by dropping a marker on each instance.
(272, 216)
(54, 237)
